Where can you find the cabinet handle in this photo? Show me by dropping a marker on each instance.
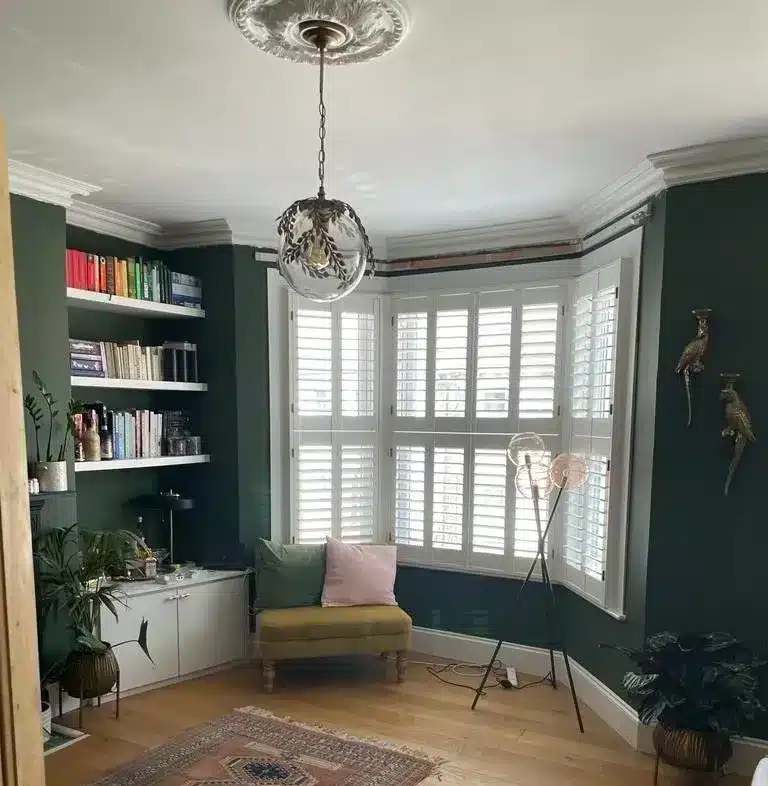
(183, 595)
(172, 598)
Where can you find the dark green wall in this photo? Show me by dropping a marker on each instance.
(707, 555)
(234, 489)
(38, 253)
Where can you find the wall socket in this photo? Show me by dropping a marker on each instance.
(512, 676)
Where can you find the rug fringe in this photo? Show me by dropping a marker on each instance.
(435, 761)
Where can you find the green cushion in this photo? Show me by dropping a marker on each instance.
(289, 576)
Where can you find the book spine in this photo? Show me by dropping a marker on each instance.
(103, 274)
(139, 278)
(69, 268)
(84, 347)
(82, 270)
(124, 277)
(131, 278)
(110, 275)
(103, 348)
(156, 282)
(145, 279)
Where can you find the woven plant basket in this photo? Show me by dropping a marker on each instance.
(702, 751)
(96, 672)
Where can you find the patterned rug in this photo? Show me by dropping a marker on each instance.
(253, 746)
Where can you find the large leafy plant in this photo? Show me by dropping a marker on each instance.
(36, 415)
(699, 682)
(73, 580)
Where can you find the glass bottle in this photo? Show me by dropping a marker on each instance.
(91, 440)
(105, 437)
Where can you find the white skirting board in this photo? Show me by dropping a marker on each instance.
(619, 715)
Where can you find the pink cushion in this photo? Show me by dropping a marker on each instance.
(359, 575)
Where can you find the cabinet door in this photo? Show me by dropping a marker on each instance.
(160, 611)
(213, 621)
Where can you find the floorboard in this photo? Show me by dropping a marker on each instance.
(514, 738)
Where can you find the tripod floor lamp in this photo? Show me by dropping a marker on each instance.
(535, 479)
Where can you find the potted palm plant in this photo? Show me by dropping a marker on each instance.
(699, 690)
(75, 582)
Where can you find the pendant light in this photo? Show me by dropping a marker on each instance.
(324, 250)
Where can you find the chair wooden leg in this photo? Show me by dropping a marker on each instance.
(268, 669)
(401, 665)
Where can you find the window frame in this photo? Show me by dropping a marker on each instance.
(532, 276)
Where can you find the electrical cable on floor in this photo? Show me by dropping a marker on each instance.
(499, 671)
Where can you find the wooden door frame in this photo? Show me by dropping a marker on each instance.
(21, 750)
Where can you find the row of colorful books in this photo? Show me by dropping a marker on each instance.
(131, 360)
(132, 277)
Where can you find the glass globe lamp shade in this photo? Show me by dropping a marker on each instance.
(537, 476)
(527, 443)
(324, 250)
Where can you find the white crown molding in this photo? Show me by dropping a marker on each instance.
(109, 222)
(626, 192)
(35, 183)
(712, 161)
(490, 238)
(213, 232)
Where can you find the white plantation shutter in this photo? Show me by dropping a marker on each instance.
(494, 351)
(448, 499)
(358, 493)
(489, 502)
(538, 360)
(313, 519)
(451, 338)
(526, 537)
(411, 364)
(314, 372)
(588, 519)
(334, 420)
(410, 477)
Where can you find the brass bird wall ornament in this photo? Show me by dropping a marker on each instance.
(691, 360)
(738, 423)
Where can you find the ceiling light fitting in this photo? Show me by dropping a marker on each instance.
(324, 250)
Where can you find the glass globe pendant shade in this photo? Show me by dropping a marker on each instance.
(324, 250)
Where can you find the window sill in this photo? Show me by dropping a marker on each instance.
(620, 616)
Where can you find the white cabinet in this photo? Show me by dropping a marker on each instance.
(160, 611)
(211, 625)
(194, 625)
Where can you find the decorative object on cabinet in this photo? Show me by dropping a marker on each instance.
(79, 588)
(535, 479)
(699, 689)
(738, 423)
(690, 362)
(169, 502)
(51, 471)
(251, 745)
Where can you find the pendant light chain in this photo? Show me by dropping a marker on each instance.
(321, 153)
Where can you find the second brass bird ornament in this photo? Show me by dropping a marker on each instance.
(691, 360)
(738, 423)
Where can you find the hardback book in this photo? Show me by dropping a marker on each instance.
(131, 278)
(103, 274)
(110, 264)
(139, 278)
(91, 367)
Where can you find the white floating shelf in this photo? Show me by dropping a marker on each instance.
(98, 301)
(162, 461)
(135, 384)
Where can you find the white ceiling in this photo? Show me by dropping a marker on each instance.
(490, 111)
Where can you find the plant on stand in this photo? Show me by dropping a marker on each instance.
(74, 580)
(51, 471)
(699, 690)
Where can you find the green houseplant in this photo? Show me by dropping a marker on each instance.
(74, 582)
(699, 689)
(51, 466)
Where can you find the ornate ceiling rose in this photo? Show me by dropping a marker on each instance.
(363, 29)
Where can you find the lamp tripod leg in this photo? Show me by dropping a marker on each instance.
(479, 691)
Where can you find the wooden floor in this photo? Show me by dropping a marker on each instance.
(513, 738)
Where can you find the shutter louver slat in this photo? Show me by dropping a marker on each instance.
(538, 360)
(448, 499)
(489, 502)
(358, 364)
(358, 493)
(314, 489)
(410, 475)
(603, 352)
(494, 339)
(451, 337)
(581, 357)
(313, 362)
(411, 364)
